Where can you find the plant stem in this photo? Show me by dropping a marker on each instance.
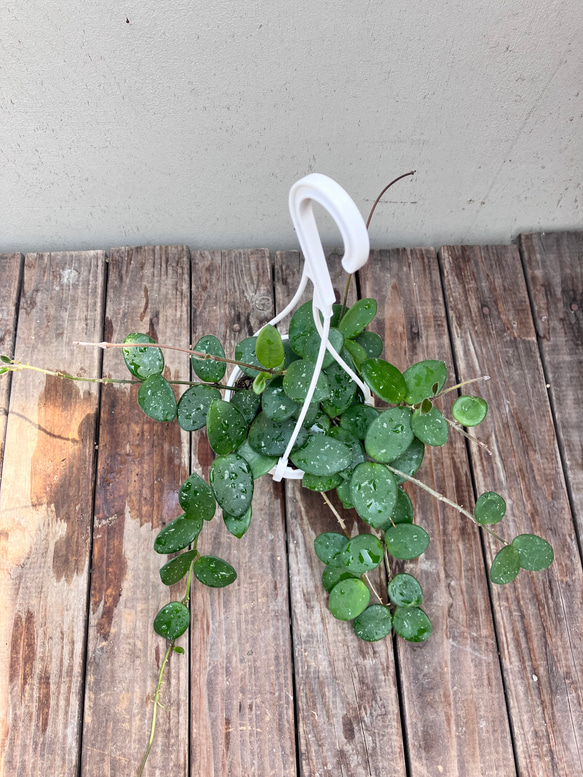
(156, 703)
(459, 385)
(442, 498)
(468, 436)
(337, 514)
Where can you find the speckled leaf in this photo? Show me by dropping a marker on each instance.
(535, 553)
(297, 382)
(206, 369)
(226, 427)
(178, 534)
(260, 465)
(406, 540)
(421, 379)
(357, 352)
(357, 419)
(177, 567)
(196, 498)
(214, 572)
(412, 624)
(405, 590)
(270, 438)
(142, 362)
(321, 483)
(328, 546)
(193, 406)
(343, 491)
(490, 508)
(245, 352)
(431, 428)
(336, 340)
(362, 554)
(358, 317)
(352, 442)
(342, 391)
(409, 462)
(247, 403)
(156, 398)
(172, 620)
(301, 328)
(506, 565)
(374, 623)
(384, 380)
(372, 344)
(389, 435)
(374, 493)
(276, 404)
(238, 526)
(231, 480)
(332, 575)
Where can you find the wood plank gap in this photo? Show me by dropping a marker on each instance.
(11, 285)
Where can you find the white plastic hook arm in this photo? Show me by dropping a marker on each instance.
(331, 196)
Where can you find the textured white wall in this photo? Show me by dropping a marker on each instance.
(190, 122)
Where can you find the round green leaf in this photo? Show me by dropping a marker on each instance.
(336, 340)
(238, 526)
(269, 347)
(193, 406)
(245, 352)
(177, 567)
(178, 534)
(142, 362)
(506, 565)
(406, 540)
(403, 511)
(297, 382)
(310, 417)
(156, 398)
(343, 491)
(535, 553)
(412, 624)
(405, 591)
(276, 404)
(362, 554)
(358, 317)
(231, 480)
(322, 455)
(270, 438)
(214, 572)
(332, 575)
(421, 379)
(321, 483)
(348, 599)
(409, 462)
(372, 344)
(374, 623)
(431, 428)
(226, 427)
(384, 380)
(469, 411)
(247, 403)
(172, 620)
(206, 369)
(301, 328)
(357, 352)
(490, 508)
(389, 435)
(196, 498)
(352, 442)
(260, 465)
(328, 546)
(342, 391)
(374, 493)
(357, 419)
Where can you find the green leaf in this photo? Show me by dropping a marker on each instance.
(177, 567)
(206, 369)
(362, 554)
(357, 455)
(374, 623)
(328, 546)
(193, 406)
(357, 352)
(358, 317)
(426, 406)
(276, 404)
(3, 370)
(269, 347)
(490, 508)
(321, 424)
(343, 491)
(156, 398)
(245, 352)
(431, 428)
(231, 480)
(237, 526)
(196, 498)
(178, 649)
(214, 572)
(172, 620)
(405, 591)
(322, 455)
(247, 403)
(335, 338)
(8, 360)
(357, 419)
(260, 465)
(506, 565)
(260, 382)
(270, 438)
(178, 534)
(406, 540)
(409, 462)
(301, 328)
(384, 380)
(332, 575)
(372, 344)
(412, 624)
(226, 427)
(348, 599)
(342, 391)
(321, 483)
(297, 382)
(421, 379)
(310, 418)
(403, 512)
(142, 362)
(389, 435)
(373, 491)
(469, 411)
(535, 553)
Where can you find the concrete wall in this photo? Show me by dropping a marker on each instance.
(187, 121)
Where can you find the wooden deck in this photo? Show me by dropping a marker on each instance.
(271, 685)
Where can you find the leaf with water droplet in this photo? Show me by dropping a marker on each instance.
(372, 344)
(245, 352)
(336, 340)
(196, 497)
(301, 328)
(535, 553)
(384, 380)
(332, 575)
(469, 411)
(403, 510)
(358, 317)
(176, 568)
(260, 465)
(348, 599)
(342, 391)
(409, 462)
(178, 534)
(193, 406)
(269, 347)
(321, 483)
(405, 590)
(412, 624)
(207, 369)
(214, 572)
(247, 403)
(421, 379)
(362, 554)
(357, 352)
(270, 438)
(231, 480)
(343, 491)
(142, 362)
(357, 419)
(322, 455)
(237, 526)
(431, 428)
(297, 382)
(389, 435)
(276, 404)
(352, 442)
(226, 427)
(490, 508)
(156, 398)
(406, 540)
(506, 565)
(172, 620)
(374, 493)
(374, 623)
(328, 546)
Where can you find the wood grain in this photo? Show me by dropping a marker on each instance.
(553, 264)
(346, 691)
(141, 464)
(242, 689)
(10, 275)
(45, 516)
(538, 617)
(454, 707)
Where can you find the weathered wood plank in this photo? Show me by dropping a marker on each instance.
(538, 617)
(141, 464)
(347, 701)
(10, 274)
(242, 688)
(454, 707)
(553, 264)
(45, 516)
